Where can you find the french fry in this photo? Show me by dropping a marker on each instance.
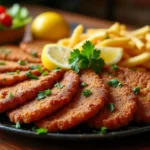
(136, 60)
(141, 31)
(116, 42)
(148, 46)
(93, 39)
(92, 31)
(147, 37)
(114, 28)
(146, 65)
(141, 69)
(75, 38)
(139, 44)
(64, 42)
(84, 36)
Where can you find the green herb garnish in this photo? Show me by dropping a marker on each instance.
(2, 63)
(22, 63)
(34, 54)
(11, 95)
(10, 73)
(45, 73)
(5, 50)
(88, 57)
(115, 67)
(57, 69)
(103, 130)
(83, 84)
(43, 94)
(37, 67)
(31, 76)
(107, 37)
(17, 71)
(17, 125)
(136, 90)
(111, 107)
(58, 85)
(41, 131)
(133, 69)
(114, 83)
(86, 92)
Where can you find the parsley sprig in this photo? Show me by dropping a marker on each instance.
(43, 94)
(88, 57)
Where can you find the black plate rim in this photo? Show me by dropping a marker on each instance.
(66, 136)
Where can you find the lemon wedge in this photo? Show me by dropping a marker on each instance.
(55, 55)
(111, 55)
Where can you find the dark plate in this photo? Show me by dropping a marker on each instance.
(79, 133)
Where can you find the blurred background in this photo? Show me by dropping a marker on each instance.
(134, 12)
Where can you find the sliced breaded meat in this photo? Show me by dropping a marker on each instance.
(38, 109)
(137, 79)
(119, 110)
(10, 97)
(14, 53)
(9, 66)
(10, 78)
(34, 47)
(81, 107)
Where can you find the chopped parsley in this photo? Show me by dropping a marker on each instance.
(4, 79)
(103, 130)
(10, 73)
(83, 84)
(31, 76)
(136, 90)
(17, 71)
(11, 95)
(114, 83)
(86, 92)
(57, 69)
(115, 67)
(4, 50)
(22, 63)
(58, 85)
(34, 54)
(38, 67)
(17, 125)
(88, 57)
(111, 107)
(45, 73)
(2, 63)
(133, 69)
(43, 94)
(40, 131)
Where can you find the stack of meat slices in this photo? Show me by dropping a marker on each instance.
(61, 100)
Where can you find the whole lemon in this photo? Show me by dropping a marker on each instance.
(50, 26)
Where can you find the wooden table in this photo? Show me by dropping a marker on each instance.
(9, 141)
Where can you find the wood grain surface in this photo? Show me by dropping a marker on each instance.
(9, 141)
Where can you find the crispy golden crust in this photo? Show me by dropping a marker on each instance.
(10, 78)
(14, 53)
(37, 109)
(124, 104)
(137, 79)
(26, 90)
(13, 66)
(33, 46)
(81, 108)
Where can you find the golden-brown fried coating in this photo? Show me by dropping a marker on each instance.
(34, 47)
(136, 79)
(10, 66)
(119, 110)
(38, 109)
(10, 78)
(14, 53)
(18, 94)
(81, 108)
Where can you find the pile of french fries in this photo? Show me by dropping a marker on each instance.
(135, 44)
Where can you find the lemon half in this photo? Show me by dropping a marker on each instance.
(111, 55)
(55, 56)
